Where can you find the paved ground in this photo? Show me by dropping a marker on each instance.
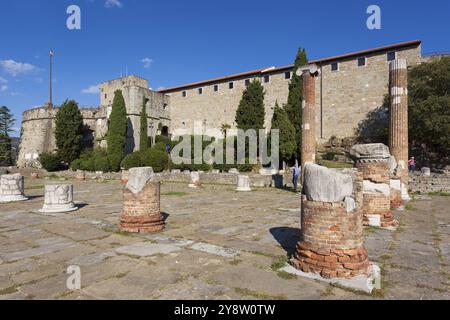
(219, 244)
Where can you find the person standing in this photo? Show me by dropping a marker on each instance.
(295, 175)
(412, 164)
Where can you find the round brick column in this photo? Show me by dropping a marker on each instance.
(308, 147)
(376, 193)
(332, 242)
(141, 203)
(398, 120)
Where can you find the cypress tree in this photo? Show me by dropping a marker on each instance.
(143, 135)
(6, 123)
(281, 122)
(293, 107)
(117, 131)
(69, 131)
(250, 113)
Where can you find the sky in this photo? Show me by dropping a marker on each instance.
(173, 42)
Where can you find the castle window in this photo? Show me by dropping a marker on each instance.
(184, 94)
(231, 85)
(335, 66)
(287, 75)
(266, 79)
(200, 90)
(247, 82)
(391, 56)
(216, 87)
(106, 96)
(361, 62)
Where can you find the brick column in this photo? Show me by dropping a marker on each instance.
(332, 243)
(398, 121)
(141, 203)
(308, 147)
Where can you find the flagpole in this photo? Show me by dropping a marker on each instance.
(51, 91)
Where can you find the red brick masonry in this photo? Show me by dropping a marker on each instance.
(377, 203)
(141, 211)
(332, 242)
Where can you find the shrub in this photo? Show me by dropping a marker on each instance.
(101, 163)
(156, 159)
(132, 160)
(76, 164)
(329, 156)
(50, 162)
(92, 161)
(117, 131)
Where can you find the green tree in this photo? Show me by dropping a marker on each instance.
(69, 131)
(117, 131)
(293, 106)
(6, 123)
(429, 111)
(224, 129)
(281, 122)
(250, 113)
(143, 134)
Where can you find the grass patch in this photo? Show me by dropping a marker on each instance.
(38, 186)
(121, 274)
(409, 207)
(286, 275)
(9, 290)
(258, 295)
(278, 263)
(235, 262)
(334, 164)
(328, 292)
(439, 194)
(174, 194)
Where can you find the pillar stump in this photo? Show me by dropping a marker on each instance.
(396, 186)
(12, 188)
(332, 243)
(372, 160)
(195, 180)
(58, 199)
(141, 203)
(243, 184)
(398, 120)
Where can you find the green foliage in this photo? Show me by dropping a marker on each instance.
(330, 156)
(117, 132)
(6, 124)
(6, 121)
(375, 127)
(68, 131)
(143, 133)
(192, 166)
(92, 160)
(133, 160)
(287, 144)
(250, 113)
(429, 111)
(293, 105)
(50, 161)
(156, 159)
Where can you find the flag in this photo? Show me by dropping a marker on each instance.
(51, 52)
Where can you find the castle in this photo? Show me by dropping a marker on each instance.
(348, 87)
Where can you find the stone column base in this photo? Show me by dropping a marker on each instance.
(138, 224)
(380, 220)
(12, 198)
(243, 189)
(194, 185)
(58, 208)
(331, 263)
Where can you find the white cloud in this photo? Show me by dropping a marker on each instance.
(147, 62)
(3, 87)
(3, 80)
(91, 90)
(113, 3)
(15, 68)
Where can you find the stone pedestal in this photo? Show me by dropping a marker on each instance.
(308, 147)
(373, 161)
(11, 188)
(141, 203)
(396, 193)
(426, 172)
(332, 243)
(58, 198)
(398, 120)
(243, 184)
(195, 180)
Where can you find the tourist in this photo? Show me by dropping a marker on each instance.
(412, 164)
(295, 174)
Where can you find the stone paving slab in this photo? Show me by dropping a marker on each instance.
(218, 244)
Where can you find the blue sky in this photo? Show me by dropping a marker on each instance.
(174, 42)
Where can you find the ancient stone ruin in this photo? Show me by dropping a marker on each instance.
(58, 198)
(243, 183)
(141, 202)
(332, 243)
(373, 161)
(12, 188)
(195, 180)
